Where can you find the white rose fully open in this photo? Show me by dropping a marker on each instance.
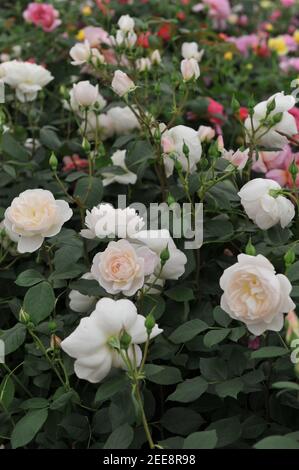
(255, 294)
(89, 343)
(34, 215)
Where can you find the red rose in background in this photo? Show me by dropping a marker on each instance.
(165, 32)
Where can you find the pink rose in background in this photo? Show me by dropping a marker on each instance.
(287, 64)
(96, 36)
(219, 11)
(216, 114)
(276, 165)
(42, 14)
(245, 43)
(287, 3)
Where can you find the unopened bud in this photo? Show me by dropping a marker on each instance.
(249, 249)
(55, 342)
(293, 169)
(52, 325)
(164, 255)
(289, 258)
(125, 340)
(271, 106)
(170, 199)
(235, 105)
(53, 162)
(186, 150)
(85, 145)
(149, 323)
(24, 317)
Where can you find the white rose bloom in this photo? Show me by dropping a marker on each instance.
(98, 124)
(121, 83)
(287, 124)
(255, 294)
(123, 119)
(127, 177)
(173, 141)
(27, 79)
(84, 94)
(206, 133)
(123, 266)
(79, 302)
(157, 241)
(80, 53)
(125, 39)
(143, 64)
(34, 215)
(190, 69)
(156, 57)
(126, 23)
(105, 221)
(264, 209)
(190, 51)
(89, 343)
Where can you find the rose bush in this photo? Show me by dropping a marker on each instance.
(149, 224)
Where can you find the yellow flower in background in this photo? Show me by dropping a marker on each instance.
(278, 45)
(296, 35)
(269, 27)
(80, 35)
(86, 10)
(249, 66)
(266, 4)
(228, 55)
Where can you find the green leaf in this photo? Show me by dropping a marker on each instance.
(138, 154)
(214, 369)
(120, 438)
(89, 190)
(181, 420)
(13, 148)
(39, 302)
(189, 390)
(286, 386)
(221, 317)
(229, 388)
(49, 138)
(64, 399)
(110, 388)
(187, 331)
(28, 278)
(28, 426)
(180, 294)
(228, 430)
(34, 404)
(7, 391)
(293, 272)
(214, 337)
(277, 442)
(13, 338)
(165, 375)
(268, 352)
(201, 440)
(253, 427)
(88, 287)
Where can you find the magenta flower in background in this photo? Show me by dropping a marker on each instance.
(42, 14)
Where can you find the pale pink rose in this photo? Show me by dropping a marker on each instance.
(96, 36)
(123, 266)
(255, 295)
(42, 14)
(276, 165)
(206, 133)
(121, 83)
(238, 158)
(190, 69)
(288, 3)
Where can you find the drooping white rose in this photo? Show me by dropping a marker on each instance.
(26, 78)
(255, 294)
(127, 177)
(190, 51)
(156, 57)
(105, 221)
(126, 23)
(80, 53)
(263, 206)
(34, 215)
(173, 141)
(121, 83)
(79, 302)
(206, 133)
(143, 64)
(125, 39)
(89, 343)
(123, 120)
(190, 69)
(237, 158)
(122, 267)
(84, 94)
(157, 241)
(100, 125)
(271, 137)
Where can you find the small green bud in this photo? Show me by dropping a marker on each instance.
(170, 199)
(277, 118)
(85, 145)
(157, 135)
(149, 323)
(249, 249)
(125, 340)
(293, 169)
(186, 150)
(113, 342)
(24, 317)
(271, 106)
(53, 162)
(164, 255)
(289, 258)
(178, 165)
(235, 105)
(52, 325)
